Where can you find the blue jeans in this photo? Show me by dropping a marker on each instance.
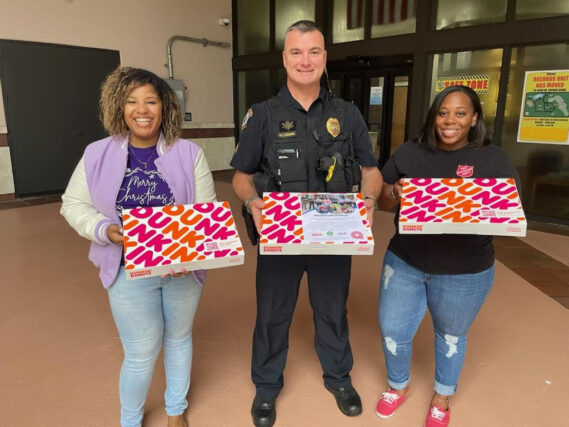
(453, 300)
(151, 313)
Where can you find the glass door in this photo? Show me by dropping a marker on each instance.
(399, 115)
(355, 90)
(382, 97)
(386, 111)
(375, 112)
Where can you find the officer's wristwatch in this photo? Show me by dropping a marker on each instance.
(393, 193)
(248, 201)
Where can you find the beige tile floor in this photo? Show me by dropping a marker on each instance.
(61, 355)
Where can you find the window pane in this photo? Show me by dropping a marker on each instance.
(355, 92)
(390, 18)
(287, 12)
(254, 86)
(527, 9)
(479, 69)
(348, 20)
(253, 26)
(375, 102)
(452, 13)
(258, 85)
(337, 86)
(375, 112)
(399, 112)
(279, 80)
(543, 167)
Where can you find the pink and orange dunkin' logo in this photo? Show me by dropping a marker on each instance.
(281, 221)
(427, 201)
(178, 234)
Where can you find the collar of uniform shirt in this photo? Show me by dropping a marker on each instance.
(316, 108)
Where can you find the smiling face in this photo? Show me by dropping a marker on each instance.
(304, 58)
(455, 118)
(143, 116)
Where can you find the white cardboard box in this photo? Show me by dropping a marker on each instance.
(315, 223)
(198, 236)
(489, 206)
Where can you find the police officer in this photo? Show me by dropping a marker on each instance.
(303, 139)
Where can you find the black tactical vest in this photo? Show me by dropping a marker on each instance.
(303, 153)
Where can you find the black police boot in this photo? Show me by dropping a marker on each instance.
(263, 411)
(347, 399)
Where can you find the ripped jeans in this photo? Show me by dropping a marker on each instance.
(453, 300)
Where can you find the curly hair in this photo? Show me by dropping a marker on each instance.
(115, 90)
(477, 135)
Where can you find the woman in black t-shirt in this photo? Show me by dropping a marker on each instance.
(449, 274)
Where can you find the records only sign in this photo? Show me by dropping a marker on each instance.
(544, 111)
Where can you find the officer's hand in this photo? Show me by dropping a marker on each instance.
(398, 190)
(256, 206)
(370, 208)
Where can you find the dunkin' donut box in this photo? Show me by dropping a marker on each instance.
(489, 206)
(195, 237)
(315, 223)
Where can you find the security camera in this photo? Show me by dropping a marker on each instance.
(224, 21)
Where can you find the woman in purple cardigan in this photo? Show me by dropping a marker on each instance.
(142, 163)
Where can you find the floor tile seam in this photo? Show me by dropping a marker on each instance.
(542, 255)
(555, 288)
(524, 272)
(537, 268)
(26, 204)
(558, 284)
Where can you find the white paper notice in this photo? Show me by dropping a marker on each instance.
(328, 217)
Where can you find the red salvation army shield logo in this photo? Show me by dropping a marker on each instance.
(465, 171)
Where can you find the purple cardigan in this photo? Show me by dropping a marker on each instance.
(105, 165)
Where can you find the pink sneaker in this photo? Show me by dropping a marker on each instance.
(388, 403)
(437, 417)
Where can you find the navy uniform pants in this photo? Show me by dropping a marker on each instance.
(278, 280)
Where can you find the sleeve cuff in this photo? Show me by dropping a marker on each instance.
(101, 232)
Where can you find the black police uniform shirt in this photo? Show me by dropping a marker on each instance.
(255, 132)
(445, 253)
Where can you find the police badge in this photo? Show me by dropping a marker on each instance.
(333, 126)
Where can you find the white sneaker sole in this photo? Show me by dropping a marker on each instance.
(385, 416)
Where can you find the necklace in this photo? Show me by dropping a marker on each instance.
(148, 159)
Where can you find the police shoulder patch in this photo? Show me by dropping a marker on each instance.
(246, 118)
